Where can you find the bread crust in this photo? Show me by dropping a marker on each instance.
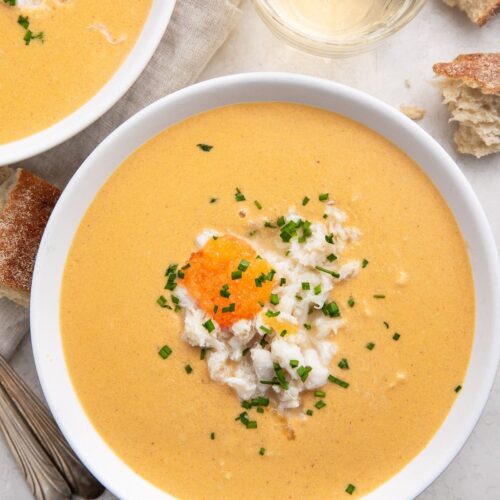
(28, 205)
(480, 71)
(489, 13)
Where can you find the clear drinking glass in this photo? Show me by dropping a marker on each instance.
(336, 28)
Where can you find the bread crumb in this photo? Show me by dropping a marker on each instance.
(413, 112)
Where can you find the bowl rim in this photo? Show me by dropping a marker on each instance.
(251, 87)
(108, 95)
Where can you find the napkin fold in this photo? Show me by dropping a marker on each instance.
(196, 31)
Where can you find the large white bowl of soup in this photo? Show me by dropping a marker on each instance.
(64, 63)
(267, 285)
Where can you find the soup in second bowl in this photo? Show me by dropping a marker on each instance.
(57, 54)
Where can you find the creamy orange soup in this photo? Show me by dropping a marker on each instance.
(178, 429)
(56, 56)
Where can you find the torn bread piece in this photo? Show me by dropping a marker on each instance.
(471, 89)
(478, 11)
(26, 202)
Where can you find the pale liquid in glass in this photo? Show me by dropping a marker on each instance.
(337, 18)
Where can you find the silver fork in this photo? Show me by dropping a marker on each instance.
(52, 470)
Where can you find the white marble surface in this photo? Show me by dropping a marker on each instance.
(437, 34)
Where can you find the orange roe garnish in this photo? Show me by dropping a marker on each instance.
(211, 271)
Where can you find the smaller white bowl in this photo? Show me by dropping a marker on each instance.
(80, 192)
(154, 28)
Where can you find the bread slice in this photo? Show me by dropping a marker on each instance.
(479, 11)
(26, 202)
(471, 90)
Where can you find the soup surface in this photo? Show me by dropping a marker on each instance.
(406, 339)
(56, 55)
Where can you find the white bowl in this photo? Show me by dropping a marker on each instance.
(80, 192)
(114, 89)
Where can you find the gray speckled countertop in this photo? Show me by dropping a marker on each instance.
(437, 34)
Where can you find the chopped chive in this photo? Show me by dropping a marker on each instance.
(306, 286)
(258, 205)
(350, 489)
(282, 281)
(23, 21)
(350, 301)
(329, 238)
(189, 369)
(364, 263)
(224, 291)
(298, 297)
(262, 452)
(386, 324)
(303, 372)
(252, 424)
(261, 304)
(230, 308)
(243, 265)
(213, 200)
(272, 314)
(203, 353)
(205, 147)
(331, 309)
(209, 326)
(165, 352)
(212, 436)
(280, 221)
(325, 216)
(265, 329)
(370, 346)
(458, 388)
(246, 404)
(269, 382)
(162, 301)
(269, 224)
(331, 257)
(171, 269)
(323, 196)
(327, 271)
(338, 381)
(379, 296)
(260, 401)
(319, 394)
(305, 201)
(396, 336)
(307, 326)
(343, 364)
(239, 196)
(309, 412)
(175, 299)
(283, 333)
(260, 410)
(320, 404)
(236, 275)
(216, 308)
(317, 289)
(274, 299)
(294, 363)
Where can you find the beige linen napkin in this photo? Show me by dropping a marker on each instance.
(197, 29)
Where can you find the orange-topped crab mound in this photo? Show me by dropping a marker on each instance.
(228, 280)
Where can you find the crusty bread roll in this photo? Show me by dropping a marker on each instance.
(471, 89)
(478, 11)
(26, 202)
